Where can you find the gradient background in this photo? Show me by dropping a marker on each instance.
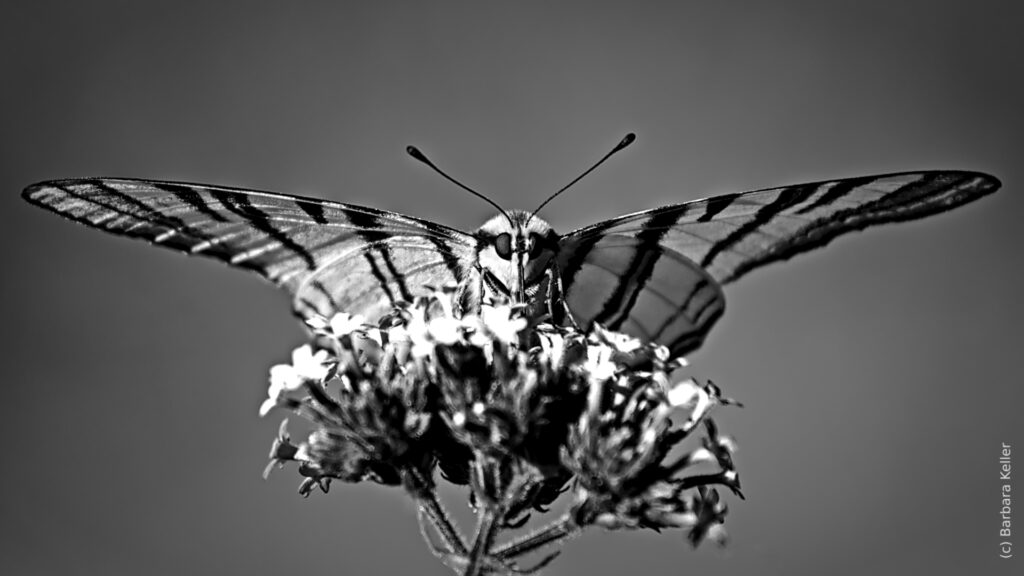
(879, 375)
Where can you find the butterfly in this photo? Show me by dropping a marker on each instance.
(656, 274)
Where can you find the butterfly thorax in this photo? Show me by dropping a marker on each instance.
(514, 255)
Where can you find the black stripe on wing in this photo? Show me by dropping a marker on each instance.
(189, 196)
(373, 231)
(382, 280)
(837, 192)
(762, 217)
(645, 257)
(580, 250)
(241, 205)
(403, 289)
(714, 206)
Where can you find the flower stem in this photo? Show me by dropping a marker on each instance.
(562, 529)
(431, 505)
(439, 518)
(486, 530)
(490, 492)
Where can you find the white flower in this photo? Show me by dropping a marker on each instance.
(425, 335)
(444, 296)
(444, 330)
(344, 324)
(717, 534)
(398, 334)
(309, 365)
(497, 323)
(728, 444)
(675, 363)
(477, 334)
(267, 406)
(421, 347)
(317, 323)
(599, 363)
(689, 395)
(621, 342)
(552, 346)
(682, 392)
(302, 454)
(417, 331)
(284, 378)
(682, 519)
(700, 456)
(375, 335)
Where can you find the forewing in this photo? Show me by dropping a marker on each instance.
(329, 256)
(728, 236)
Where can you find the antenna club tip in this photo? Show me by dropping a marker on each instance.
(415, 153)
(626, 141)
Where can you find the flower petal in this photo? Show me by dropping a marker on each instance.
(268, 405)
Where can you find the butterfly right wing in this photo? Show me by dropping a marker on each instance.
(631, 283)
(329, 256)
(656, 274)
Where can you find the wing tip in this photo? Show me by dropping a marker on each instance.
(958, 187)
(971, 186)
(30, 191)
(989, 183)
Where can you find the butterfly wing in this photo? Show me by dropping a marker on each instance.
(632, 284)
(657, 274)
(330, 257)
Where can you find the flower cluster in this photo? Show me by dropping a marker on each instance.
(520, 411)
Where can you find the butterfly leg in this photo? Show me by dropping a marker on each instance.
(557, 307)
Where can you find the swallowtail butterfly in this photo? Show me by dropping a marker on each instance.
(656, 274)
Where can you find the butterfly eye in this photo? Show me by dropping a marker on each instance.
(503, 245)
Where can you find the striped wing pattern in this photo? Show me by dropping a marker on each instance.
(657, 274)
(330, 257)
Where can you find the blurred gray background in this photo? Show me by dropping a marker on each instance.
(879, 374)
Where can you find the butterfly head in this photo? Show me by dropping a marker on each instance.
(514, 254)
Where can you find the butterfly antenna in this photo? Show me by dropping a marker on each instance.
(626, 141)
(415, 153)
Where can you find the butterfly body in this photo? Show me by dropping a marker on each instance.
(656, 274)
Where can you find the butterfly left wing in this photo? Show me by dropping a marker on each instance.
(329, 256)
(657, 274)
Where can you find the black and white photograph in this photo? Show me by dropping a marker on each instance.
(512, 287)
